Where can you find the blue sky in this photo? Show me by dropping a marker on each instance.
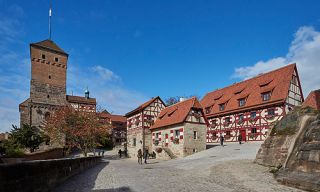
(129, 51)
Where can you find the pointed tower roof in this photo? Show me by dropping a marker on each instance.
(49, 45)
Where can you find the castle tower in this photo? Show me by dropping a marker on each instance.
(47, 85)
(48, 73)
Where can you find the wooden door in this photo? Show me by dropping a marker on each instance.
(243, 134)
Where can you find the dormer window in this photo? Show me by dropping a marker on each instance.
(208, 110)
(242, 102)
(43, 56)
(222, 106)
(266, 96)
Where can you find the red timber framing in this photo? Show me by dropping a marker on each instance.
(252, 106)
(142, 118)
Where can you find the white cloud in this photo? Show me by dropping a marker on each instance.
(110, 94)
(304, 51)
(105, 73)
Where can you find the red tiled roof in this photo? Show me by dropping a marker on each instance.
(277, 81)
(82, 100)
(313, 100)
(176, 113)
(143, 106)
(49, 44)
(118, 118)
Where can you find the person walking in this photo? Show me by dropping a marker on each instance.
(240, 138)
(139, 156)
(221, 140)
(120, 153)
(145, 155)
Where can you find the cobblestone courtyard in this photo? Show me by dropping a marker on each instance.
(228, 168)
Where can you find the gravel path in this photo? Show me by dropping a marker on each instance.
(228, 168)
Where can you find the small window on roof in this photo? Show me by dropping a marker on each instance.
(208, 110)
(265, 83)
(242, 102)
(222, 106)
(266, 96)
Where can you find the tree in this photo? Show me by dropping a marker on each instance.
(71, 128)
(176, 99)
(26, 136)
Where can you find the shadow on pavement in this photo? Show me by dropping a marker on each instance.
(211, 146)
(120, 189)
(88, 176)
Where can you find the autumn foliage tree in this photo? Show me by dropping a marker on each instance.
(71, 128)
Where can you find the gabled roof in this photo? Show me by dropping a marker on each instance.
(82, 100)
(49, 45)
(176, 113)
(143, 106)
(313, 100)
(114, 118)
(277, 81)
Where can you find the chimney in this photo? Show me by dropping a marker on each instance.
(182, 99)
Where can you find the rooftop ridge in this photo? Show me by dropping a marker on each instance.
(281, 68)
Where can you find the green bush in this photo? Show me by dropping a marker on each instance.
(10, 149)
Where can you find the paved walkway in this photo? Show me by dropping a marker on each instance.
(228, 168)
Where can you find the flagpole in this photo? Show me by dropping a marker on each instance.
(50, 19)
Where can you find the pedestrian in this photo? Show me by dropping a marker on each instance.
(120, 153)
(139, 157)
(221, 140)
(103, 153)
(240, 138)
(125, 153)
(145, 155)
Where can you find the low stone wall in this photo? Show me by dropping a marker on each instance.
(41, 175)
(49, 154)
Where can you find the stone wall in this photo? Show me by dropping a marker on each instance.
(187, 145)
(192, 145)
(133, 149)
(35, 176)
(294, 145)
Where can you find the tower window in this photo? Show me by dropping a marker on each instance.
(49, 76)
(48, 96)
(56, 59)
(43, 56)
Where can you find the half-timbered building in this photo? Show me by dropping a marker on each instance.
(115, 125)
(179, 130)
(251, 106)
(139, 122)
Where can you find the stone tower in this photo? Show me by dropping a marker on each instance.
(48, 82)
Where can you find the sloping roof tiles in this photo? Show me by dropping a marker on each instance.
(79, 99)
(49, 44)
(142, 106)
(118, 118)
(277, 81)
(176, 113)
(313, 100)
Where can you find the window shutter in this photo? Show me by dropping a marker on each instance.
(181, 133)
